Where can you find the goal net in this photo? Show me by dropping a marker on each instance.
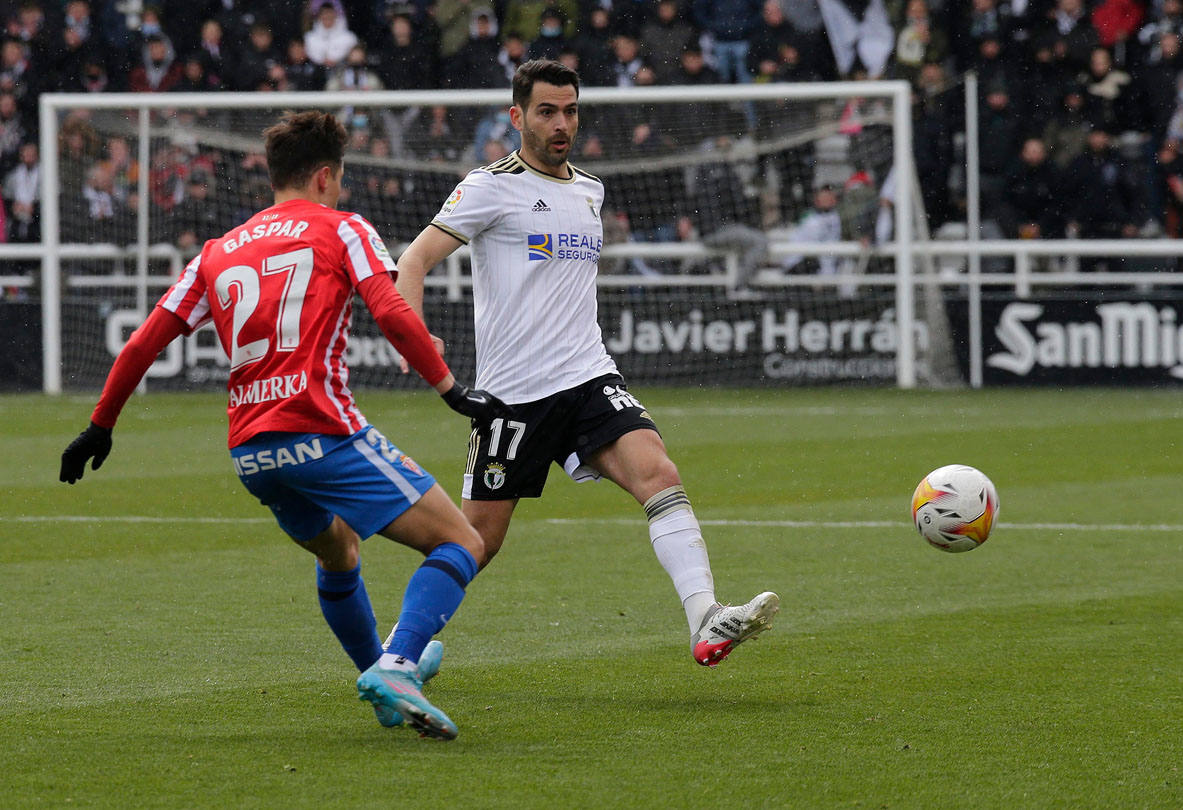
(744, 227)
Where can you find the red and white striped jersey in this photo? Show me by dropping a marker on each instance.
(279, 290)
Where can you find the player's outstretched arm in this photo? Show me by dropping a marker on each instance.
(430, 248)
(159, 330)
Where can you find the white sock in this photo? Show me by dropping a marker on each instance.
(391, 661)
(677, 541)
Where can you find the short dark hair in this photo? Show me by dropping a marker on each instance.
(547, 71)
(300, 144)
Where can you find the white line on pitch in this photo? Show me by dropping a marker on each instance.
(132, 519)
(887, 524)
(781, 524)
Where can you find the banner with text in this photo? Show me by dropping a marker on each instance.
(1109, 338)
(677, 336)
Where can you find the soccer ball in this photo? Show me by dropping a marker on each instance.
(954, 508)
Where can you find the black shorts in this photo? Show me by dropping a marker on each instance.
(510, 458)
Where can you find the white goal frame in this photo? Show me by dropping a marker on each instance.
(52, 250)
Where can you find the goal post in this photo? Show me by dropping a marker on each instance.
(763, 149)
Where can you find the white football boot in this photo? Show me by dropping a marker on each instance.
(726, 626)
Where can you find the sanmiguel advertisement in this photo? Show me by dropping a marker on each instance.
(1114, 338)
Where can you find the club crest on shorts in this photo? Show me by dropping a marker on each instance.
(494, 475)
(410, 464)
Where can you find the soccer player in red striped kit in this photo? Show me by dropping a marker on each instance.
(279, 291)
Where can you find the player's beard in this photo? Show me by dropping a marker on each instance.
(541, 148)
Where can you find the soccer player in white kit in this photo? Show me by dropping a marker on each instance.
(532, 222)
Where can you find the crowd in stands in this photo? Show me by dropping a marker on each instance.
(1081, 119)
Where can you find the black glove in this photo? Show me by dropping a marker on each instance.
(94, 441)
(479, 405)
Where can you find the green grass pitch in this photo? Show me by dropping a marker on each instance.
(161, 644)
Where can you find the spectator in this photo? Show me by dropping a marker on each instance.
(354, 73)
(773, 44)
(219, 64)
(629, 16)
(1044, 83)
(821, 223)
(28, 26)
(1101, 193)
(663, 37)
(1072, 35)
(1066, 133)
(594, 46)
(159, 70)
(1110, 100)
(15, 75)
(476, 64)
(258, 57)
(1032, 196)
(919, 42)
(78, 147)
(22, 195)
(550, 40)
(511, 55)
(94, 75)
(77, 19)
(166, 179)
(1158, 83)
(724, 214)
(494, 133)
(194, 78)
(627, 60)
(997, 68)
(457, 22)
(806, 18)
(72, 53)
(999, 138)
(984, 20)
(407, 64)
(524, 17)
(730, 24)
(932, 144)
(125, 172)
(100, 205)
(1169, 175)
(329, 40)
(693, 69)
(432, 137)
(1167, 18)
(301, 72)
(198, 215)
(12, 132)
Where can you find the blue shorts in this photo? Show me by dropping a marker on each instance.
(307, 478)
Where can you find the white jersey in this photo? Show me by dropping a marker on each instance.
(535, 242)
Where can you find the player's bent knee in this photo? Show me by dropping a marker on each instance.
(337, 547)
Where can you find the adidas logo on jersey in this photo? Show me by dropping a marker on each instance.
(540, 206)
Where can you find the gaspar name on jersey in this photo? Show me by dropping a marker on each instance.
(285, 227)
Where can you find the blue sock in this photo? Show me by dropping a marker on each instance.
(432, 596)
(346, 607)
